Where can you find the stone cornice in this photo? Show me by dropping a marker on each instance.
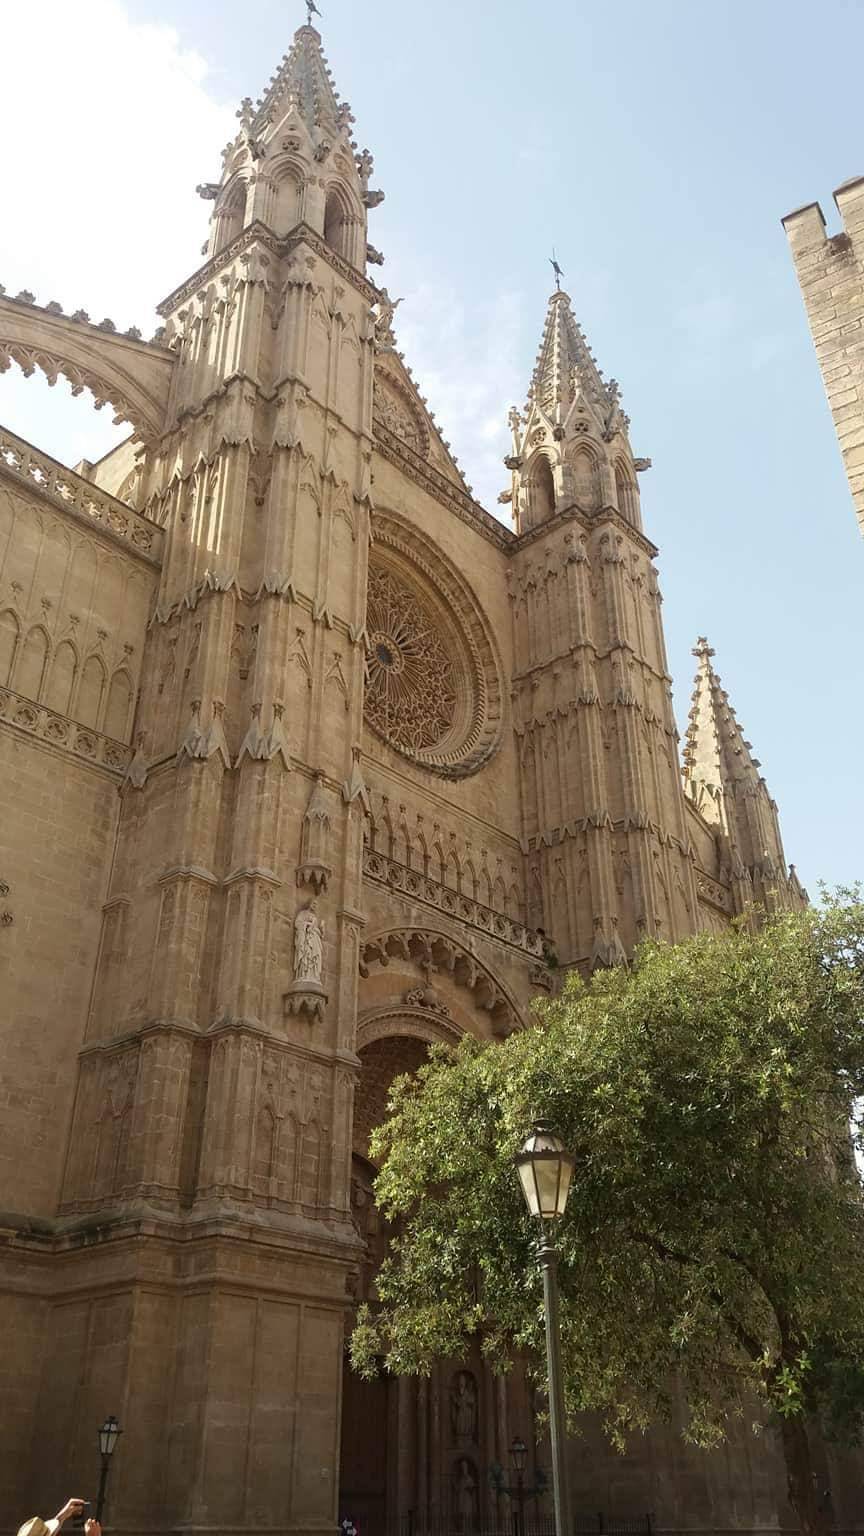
(445, 491)
(80, 499)
(589, 521)
(260, 234)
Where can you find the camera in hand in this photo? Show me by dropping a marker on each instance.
(85, 1514)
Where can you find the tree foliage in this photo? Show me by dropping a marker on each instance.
(712, 1242)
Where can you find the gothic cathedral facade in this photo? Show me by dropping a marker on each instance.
(309, 761)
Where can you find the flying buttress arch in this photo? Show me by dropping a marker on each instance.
(133, 377)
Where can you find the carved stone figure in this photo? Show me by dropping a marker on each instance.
(308, 945)
(465, 1495)
(463, 1407)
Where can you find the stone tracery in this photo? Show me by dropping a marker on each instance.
(411, 685)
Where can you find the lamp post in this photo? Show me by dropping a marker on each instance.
(545, 1169)
(109, 1434)
(518, 1491)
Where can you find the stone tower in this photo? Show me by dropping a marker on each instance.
(830, 272)
(312, 763)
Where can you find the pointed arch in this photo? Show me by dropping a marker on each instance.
(540, 483)
(230, 214)
(626, 494)
(263, 1150)
(119, 706)
(31, 663)
(453, 872)
(10, 634)
(61, 680)
(287, 197)
(338, 220)
(88, 705)
(586, 477)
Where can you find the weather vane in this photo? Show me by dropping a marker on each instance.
(559, 271)
(311, 10)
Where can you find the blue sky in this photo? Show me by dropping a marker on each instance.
(657, 147)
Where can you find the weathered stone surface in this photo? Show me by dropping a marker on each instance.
(189, 1070)
(830, 273)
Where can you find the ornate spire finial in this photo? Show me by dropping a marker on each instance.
(311, 10)
(559, 271)
(702, 649)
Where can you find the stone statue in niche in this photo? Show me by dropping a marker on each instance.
(463, 1406)
(308, 945)
(465, 1496)
(306, 993)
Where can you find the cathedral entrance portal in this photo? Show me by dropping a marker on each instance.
(416, 1454)
(369, 1493)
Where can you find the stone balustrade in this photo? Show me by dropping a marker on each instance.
(79, 496)
(68, 735)
(416, 886)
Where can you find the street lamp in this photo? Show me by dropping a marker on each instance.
(519, 1456)
(109, 1434)
(545, 1170)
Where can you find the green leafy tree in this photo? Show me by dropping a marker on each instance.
(714, 1234)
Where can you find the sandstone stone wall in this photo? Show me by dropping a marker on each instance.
(831, 275)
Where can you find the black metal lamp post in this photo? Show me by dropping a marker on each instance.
(109, 1434)
(519, 1456)
(545, 1169)
(518, 1491)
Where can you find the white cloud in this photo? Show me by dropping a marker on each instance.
(469, 367)
(108, 125)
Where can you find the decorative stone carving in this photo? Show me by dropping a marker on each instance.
(463, 1406)
(314, 868)
(412, 674)
(307, 994)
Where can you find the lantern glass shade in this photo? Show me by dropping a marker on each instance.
(519, 1454)
(108, 1435)
(545, 1170)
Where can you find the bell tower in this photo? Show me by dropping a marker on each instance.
(604, 826)
(213, 1107)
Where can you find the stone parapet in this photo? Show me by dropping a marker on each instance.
(80, 497)
(64, 734)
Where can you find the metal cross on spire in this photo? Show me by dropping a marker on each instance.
(311, 10)
(559, 271)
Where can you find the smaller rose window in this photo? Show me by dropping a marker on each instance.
(411, 693)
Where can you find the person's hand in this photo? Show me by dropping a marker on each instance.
(92, 1528)
(71, 1507)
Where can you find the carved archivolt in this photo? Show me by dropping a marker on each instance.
(437, 953)
(434, 680)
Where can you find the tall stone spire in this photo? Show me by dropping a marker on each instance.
(303, 78)
(565, 364)
(723, 779)
(294, 161)
(570, 445)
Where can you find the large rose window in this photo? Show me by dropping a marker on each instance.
(432, 690)
(412, 677)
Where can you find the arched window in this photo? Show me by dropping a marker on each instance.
(230, 216)
(286, 203)
(336, 224)
(625, 494)
(541, 491)
(586, 479)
